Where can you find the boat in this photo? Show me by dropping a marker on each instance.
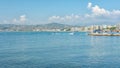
(100, 33)
(72, 33)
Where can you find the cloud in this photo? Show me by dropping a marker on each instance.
(98, 15)
(21, 19)
(99, 11)
(89, 5)
(67, 18)
(15, 20)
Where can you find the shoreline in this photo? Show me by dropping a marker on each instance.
(42, 31)
(97, 34)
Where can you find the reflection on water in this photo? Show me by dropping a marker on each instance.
(58, 50)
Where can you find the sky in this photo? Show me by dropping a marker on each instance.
(75, 12)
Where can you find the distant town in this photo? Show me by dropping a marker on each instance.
(55, 27)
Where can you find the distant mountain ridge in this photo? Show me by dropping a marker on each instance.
(14, 27)
(56, 25)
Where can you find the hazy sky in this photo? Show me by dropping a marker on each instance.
(80, 12)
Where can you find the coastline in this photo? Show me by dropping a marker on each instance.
(103, 34)
(42, 31)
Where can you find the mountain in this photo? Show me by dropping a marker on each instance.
(13, 27)
(56, 25)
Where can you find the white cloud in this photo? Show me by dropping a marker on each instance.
(15, 20)
(89, 5)
(67, 18)
(98, 15)
(21, 19)
(99, 11)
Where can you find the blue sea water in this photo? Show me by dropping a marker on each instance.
(58, 50)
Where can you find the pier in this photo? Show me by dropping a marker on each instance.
(103, 34)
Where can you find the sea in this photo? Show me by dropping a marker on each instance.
(58, 50)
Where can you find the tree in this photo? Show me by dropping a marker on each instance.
(112, 28)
